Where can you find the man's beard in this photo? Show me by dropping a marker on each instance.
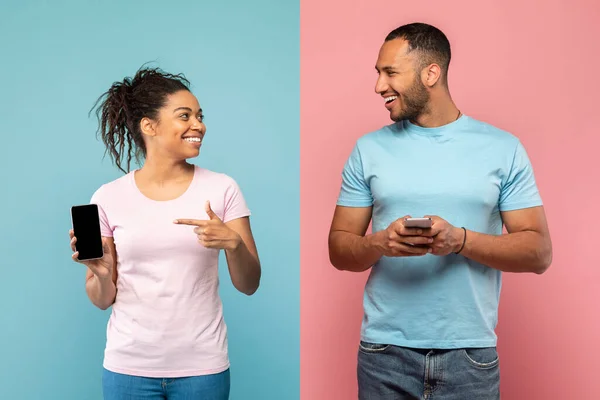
(414, 102)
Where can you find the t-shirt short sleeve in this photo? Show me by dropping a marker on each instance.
(355, 191)
(519, 189)
(235, 204)
(105, 228)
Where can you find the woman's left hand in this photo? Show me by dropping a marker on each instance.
(213, 233)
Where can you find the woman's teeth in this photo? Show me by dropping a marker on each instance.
(192, 139)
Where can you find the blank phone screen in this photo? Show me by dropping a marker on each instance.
(86, 226)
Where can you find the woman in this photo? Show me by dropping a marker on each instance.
(163, 226)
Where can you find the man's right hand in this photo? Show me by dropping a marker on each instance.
(103, 267)
(399, 241)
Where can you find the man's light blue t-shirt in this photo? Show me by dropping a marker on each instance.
(465, 172)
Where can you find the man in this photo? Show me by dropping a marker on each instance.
(431, 300)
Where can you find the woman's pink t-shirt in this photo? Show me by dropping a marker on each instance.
(167, 319)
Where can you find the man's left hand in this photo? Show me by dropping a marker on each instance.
(446, 237)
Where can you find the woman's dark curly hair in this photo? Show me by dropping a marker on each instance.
(121, 108)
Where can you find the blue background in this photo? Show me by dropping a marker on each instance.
(243, 61)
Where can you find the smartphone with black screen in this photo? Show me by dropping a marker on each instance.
(86, 227)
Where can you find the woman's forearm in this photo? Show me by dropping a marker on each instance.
(244, 268)
(101, 291)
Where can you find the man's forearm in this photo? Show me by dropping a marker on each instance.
(526, 251)
(350, 252)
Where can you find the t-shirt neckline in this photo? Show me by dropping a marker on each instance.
(146, 198)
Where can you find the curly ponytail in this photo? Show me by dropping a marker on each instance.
(123, 106)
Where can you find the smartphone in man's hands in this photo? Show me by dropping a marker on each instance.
(423, 223)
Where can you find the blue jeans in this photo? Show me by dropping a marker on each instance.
(392, 372)
(126, 387)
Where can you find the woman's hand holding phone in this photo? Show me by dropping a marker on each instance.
(101, 267)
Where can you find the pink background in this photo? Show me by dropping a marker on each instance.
(532, 70)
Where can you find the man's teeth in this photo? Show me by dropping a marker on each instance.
(193, 139)
(391, 98)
